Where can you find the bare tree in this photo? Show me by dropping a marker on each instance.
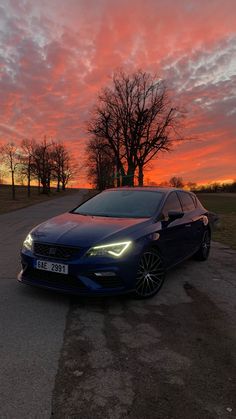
(176, 182)
(44, 161)
(27, 168)
(192, 186)
(68, 170)
(20, 176)
(43, 164)
(63, 167)
(136, 118)
(10, 154)
(58, 158)
(101, 164)
(2, 172)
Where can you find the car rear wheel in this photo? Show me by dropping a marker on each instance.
(204, 250)
(150, 274)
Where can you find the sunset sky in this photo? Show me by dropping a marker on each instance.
(56, 55)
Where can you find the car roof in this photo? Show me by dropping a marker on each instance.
(146, 188)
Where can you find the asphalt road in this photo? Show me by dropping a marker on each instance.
(173, 356)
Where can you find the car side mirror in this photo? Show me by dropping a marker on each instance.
(174, 215)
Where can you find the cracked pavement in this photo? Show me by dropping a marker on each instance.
(173, 356)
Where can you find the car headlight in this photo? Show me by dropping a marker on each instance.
(114, 249)
(28, 242)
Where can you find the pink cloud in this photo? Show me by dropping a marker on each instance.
(57, 55)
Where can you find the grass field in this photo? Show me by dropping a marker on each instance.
(223, 204)
(7, 204)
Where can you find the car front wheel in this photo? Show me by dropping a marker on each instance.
(150, 274)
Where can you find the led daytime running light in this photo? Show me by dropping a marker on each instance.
(28, 243)
(123, 245)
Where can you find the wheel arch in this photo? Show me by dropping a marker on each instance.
(156, 245)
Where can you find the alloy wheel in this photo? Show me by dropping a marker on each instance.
(206, 244)
(150, 274)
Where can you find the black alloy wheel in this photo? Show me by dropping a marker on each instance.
(203, 252)
(150, 274)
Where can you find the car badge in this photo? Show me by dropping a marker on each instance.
(52, 251)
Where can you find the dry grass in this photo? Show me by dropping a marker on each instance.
(225, 231)
(7, 204)
(223, 204)
(220, 203)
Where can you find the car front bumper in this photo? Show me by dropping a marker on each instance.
(96, 276)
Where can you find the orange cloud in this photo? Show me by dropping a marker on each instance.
(56, 56)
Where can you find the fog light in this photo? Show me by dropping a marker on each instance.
(104, 274)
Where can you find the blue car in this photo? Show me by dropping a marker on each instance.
(122, 240)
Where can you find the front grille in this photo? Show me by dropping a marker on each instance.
(55, 251)
(54, 279)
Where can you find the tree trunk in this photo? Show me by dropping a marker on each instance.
(13, 185)
(28, 178)
(122, 177)
(28, 188)
(58, 185)
(140, 175)
(117, 176)
(49, 184)
(119, 172)
(45, 187)
(128, 179)
(38, 186)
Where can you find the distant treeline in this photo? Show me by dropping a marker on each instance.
(41, 162)
(217, 187)
(178, 182)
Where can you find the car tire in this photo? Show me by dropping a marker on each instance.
(150, 274)
(204, 250)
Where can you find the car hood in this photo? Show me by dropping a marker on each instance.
(85, 231)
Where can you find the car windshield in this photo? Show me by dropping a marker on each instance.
(122, 204)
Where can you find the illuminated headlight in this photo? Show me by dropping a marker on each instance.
(28, 243)
(114, 249)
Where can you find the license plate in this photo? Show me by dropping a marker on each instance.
(45, 265)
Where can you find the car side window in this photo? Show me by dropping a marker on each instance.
(187, 201)
(172, 204)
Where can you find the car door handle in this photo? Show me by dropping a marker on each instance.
(188, 225)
